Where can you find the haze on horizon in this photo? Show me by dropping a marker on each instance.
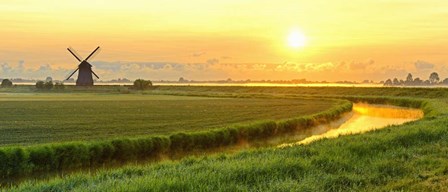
(211, 40)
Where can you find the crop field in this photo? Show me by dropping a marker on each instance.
(408, 157)
(44, 118)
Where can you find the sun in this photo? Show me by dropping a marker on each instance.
(297, 39)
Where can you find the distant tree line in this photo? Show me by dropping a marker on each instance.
(433, 79)
(49, 85)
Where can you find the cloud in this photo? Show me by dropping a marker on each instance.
(6, 68)
(258, 67)
(212, 61)
(306, 67)
(125, 66)
(214, 69)
(423, 65)
(361, 65)
(198, 54)
(343, 66)
(19, 70)
(21, 64)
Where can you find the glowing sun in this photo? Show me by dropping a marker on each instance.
(296, 39)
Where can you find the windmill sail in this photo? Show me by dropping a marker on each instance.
(95, 75)
(72, 74)
(75, 54)
(93, 53)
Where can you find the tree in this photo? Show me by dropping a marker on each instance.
(396, 82)
(141, 84)
(418, 81)
(434, 78)
(44, 85)
(48, 79)
(409, 79)
(40, 85)
(6, 83)
(59, 85)
(445, 81)
(48, 85)
(388, 82)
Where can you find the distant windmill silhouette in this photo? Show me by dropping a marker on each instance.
(85, 68)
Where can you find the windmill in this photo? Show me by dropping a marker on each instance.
(85, 69)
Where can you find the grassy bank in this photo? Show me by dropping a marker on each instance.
(410, 157)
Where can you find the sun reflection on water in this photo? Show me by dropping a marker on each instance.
(364, 118)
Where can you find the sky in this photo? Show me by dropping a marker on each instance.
(238, 39)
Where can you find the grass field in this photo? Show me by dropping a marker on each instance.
(403, 158)
(44, 117)
(409, 157)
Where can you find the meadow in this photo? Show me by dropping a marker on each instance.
(65, 132)
(36, 118)
(409, 157)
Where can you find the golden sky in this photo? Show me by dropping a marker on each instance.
(238, 39)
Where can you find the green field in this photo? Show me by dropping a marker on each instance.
(409, 157)
(44, 117)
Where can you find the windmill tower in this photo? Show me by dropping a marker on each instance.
(85, 69)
